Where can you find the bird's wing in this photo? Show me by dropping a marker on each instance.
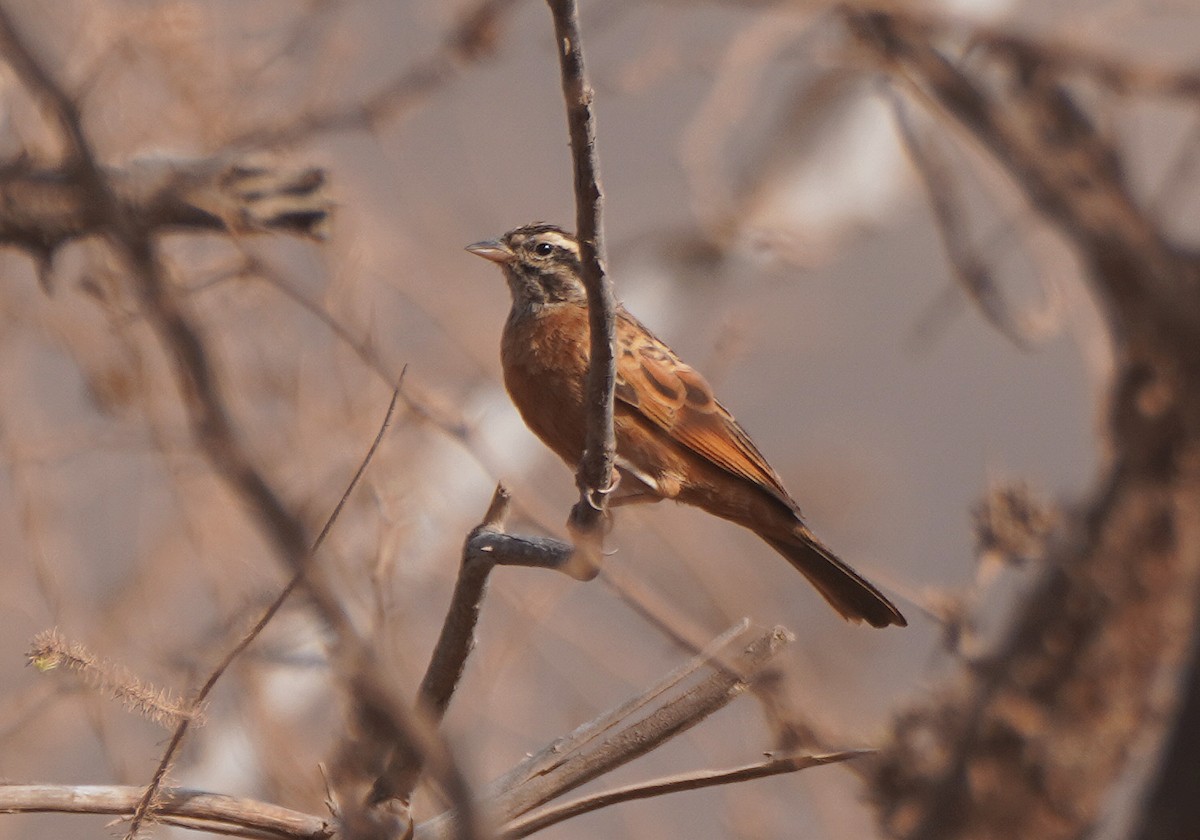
(655, 382)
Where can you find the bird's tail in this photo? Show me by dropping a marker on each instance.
(846, 591)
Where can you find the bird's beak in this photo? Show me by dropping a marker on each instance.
(492, 249)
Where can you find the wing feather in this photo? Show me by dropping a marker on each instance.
(675, 397)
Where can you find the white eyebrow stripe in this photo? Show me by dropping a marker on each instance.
(558, 239)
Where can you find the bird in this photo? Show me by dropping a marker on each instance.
(674, 440)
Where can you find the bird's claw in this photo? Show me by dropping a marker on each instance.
(596, 496)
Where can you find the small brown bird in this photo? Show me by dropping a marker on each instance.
(674, 440)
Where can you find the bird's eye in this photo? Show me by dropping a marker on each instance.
(543, 249)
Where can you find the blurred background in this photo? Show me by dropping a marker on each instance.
(762, 216)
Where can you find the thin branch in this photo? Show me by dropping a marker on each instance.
(971, 270)
(698, 780)
(362, 467)
(470, 41)
(148, 800)
(595, 473)
(603, 746)
(202, 811)
(1065, 167)
(601, 726)
(486, 547)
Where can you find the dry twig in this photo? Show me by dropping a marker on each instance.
(595, 473)
(486, 547)
(617, 737)
(697, 780)
(470, 41)
(187, 808)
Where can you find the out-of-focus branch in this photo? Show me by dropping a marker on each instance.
(713, 654)
(377, 700)
(1031, 741)
(1171, 810)
(470, 41)
(41, 210)
(614, 738)
(595, 473)
(974, 275)
(149, 797)
(1083, 192)
(617, 737)
(1064, 57)
(212, 812)
(672, 784)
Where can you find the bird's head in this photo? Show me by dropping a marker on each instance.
(540, 262)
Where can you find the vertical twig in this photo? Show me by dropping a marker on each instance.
(595, 474)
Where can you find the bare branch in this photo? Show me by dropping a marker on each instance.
(971, 270)
(486, 547)
(671, 784)
(615, 739)
(458, 631)
(999, 753)
(470, 41)
(189, 808)
(542, 761)
(595, 473)
(41, 210)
